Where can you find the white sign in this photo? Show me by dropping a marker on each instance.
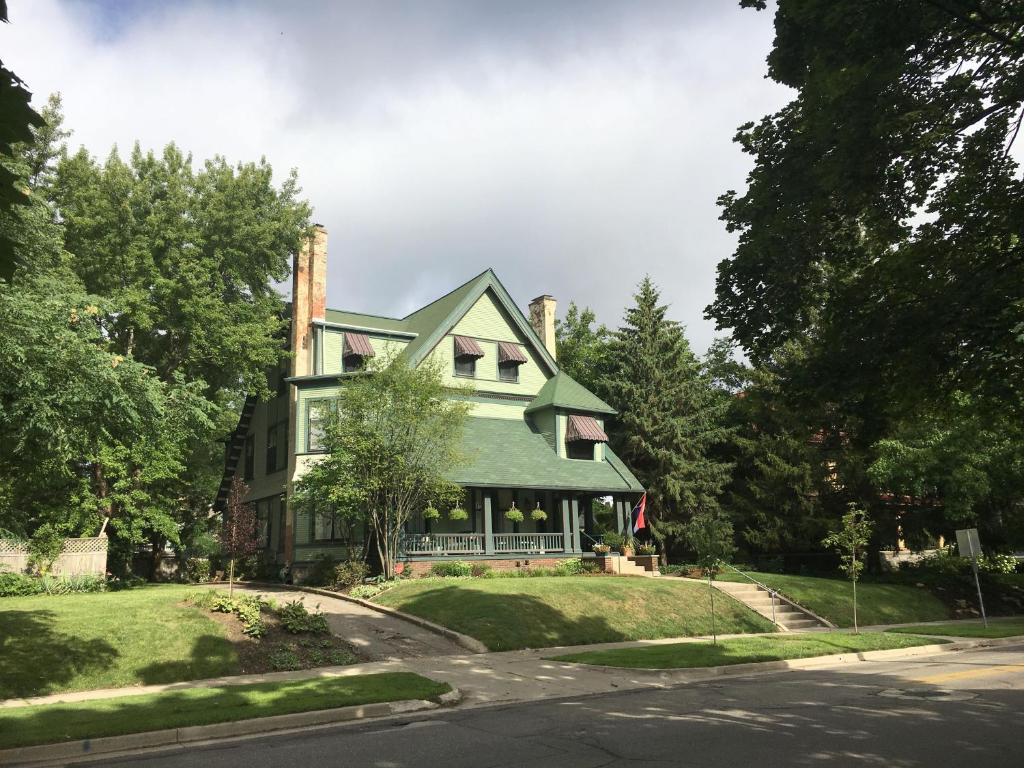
(968, 543)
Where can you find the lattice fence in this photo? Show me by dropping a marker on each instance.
(79, 556)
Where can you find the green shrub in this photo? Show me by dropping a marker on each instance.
(296, 619)
(249, 610)
(321, 573)
(998, 564)
(350, 573)
(18, 584)
(572, 566)
(615, 540)
(197, 569)
(453, 568)
(481, 570)
(284, 659)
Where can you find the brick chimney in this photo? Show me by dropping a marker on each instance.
(309, 298)
(542, 318)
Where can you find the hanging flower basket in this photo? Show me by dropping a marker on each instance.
(458, 513)
(514, 515)
(538, 514)
(431, 513)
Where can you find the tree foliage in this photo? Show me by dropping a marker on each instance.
(392, 442)
(583, 347)
(851, 542)
(669, 418)
(239, 532)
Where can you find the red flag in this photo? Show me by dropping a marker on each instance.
(637, 514)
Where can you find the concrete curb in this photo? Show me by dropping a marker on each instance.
(471, 644)
(698, 674)
(46, 754)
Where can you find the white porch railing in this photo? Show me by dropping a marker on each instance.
(528, 543)
(440, 544)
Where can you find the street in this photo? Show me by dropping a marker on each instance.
(952, 709)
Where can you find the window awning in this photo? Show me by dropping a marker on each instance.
(467, 347)
(357, 344)
(508, 352)
(584, 428)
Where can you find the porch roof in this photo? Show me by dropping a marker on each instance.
(509, 453)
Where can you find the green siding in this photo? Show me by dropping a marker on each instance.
(273, 411)
(334, 343)
(306, 396)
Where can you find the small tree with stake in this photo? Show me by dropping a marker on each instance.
(851, 542)
(711, 536)
(239, 536)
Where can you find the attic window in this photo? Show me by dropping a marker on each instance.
(467, 351)
(510, 357)
(357, 349)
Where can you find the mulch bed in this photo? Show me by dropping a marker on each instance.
(279, 650)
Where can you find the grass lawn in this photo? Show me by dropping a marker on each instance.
(51, 723)
(832, 598)
(1010, 628)
(740, 650)
(141, 636)
(540, 612)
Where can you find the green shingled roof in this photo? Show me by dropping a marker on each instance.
(361, 320)
(563, 391)
(508, 453)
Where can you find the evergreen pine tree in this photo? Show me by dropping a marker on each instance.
(669, 419)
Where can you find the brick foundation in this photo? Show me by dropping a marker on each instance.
(422, 567)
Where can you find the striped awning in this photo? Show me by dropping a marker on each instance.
(357, 344)
(584, 428)
(508, 352)
(467, 347)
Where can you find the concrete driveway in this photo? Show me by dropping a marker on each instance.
(376, 636)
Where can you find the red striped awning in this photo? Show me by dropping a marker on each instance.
(584, 428)
(508, 352)
(357, 344)
(467, 347)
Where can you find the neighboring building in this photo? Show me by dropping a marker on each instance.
(535, 436)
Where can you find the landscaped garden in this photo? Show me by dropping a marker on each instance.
(142, 636)
(832, 598)
(539, 612)
(51, 723)
(743, 650)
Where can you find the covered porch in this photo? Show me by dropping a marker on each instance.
(569, 527)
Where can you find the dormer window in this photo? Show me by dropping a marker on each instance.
(357, 350)
(510, 357)
(582, 433)
(467, 352)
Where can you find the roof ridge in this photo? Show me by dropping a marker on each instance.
(365, 314)
(445, 296)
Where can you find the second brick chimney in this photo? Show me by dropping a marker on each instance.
(542, 318)
(309, 298)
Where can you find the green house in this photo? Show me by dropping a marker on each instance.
(535, 437)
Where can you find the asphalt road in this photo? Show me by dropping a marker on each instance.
(955, 709)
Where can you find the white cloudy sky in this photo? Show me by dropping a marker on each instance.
(572, 146)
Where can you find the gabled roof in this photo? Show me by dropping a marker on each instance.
(431, 323)
(508, 453)
(563, 391)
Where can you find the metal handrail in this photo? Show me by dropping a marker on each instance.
(598, 540)
(771, 592)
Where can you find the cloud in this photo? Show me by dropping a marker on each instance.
(572, 146)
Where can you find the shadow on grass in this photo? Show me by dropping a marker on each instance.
(211, 656)
(35, 657)
(508, 621)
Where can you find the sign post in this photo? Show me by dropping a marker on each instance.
(969, 544)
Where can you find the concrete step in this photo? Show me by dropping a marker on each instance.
(759, 600)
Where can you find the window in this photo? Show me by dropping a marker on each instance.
(508, 371)
(356, 350)
(465, 366)
(580, 449)
(249, 451)
(272, 440)
(263, 523)
(466, 352)
(352, 363)
(326, 528)
(317, 411)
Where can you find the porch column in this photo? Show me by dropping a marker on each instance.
(618, 514)
(566, 529)
(575, 525)
(488, 525)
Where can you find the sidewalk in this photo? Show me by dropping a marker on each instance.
(507, 676)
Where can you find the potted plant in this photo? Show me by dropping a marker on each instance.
(647, 556)
(458, 513)
(628, 545)
(601, 550)
(538, 514)
(614, 541)
(431, 513)
(514, 515)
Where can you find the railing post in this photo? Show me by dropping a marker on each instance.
(488, 525)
